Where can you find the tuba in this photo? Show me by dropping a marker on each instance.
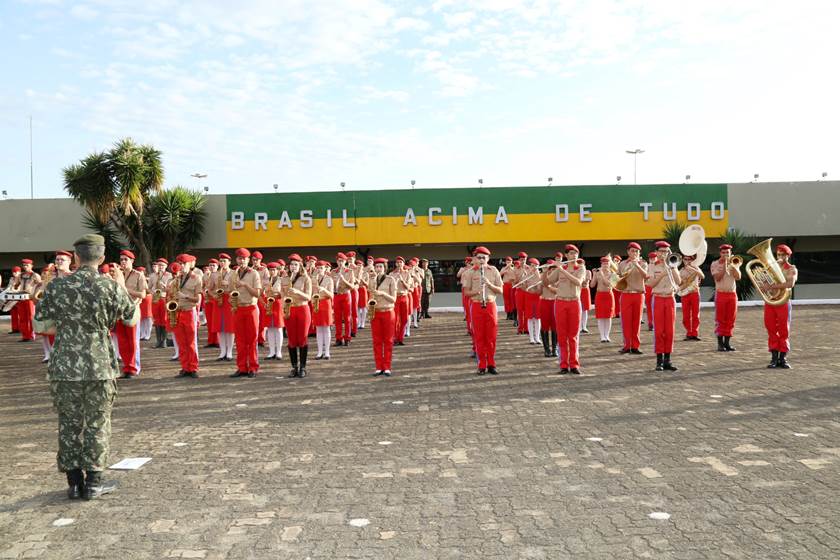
(765, 271)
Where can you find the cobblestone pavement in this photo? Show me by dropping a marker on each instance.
(437, 462)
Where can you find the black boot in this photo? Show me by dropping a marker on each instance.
(666, 363)
(95, 487)
(721, 346)
(726, 344)
(659, 362)
(774, 361)
(75, 484)
(553, 344)
(783, 364)
(544, 338)
(304, 350)
(160, 337)
(293, 356)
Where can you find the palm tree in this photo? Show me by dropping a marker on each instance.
(741, 242)
(114, 187)
(174, 220)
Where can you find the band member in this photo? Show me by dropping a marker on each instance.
(145, 327)
(635, 270)
(322, 286)
(604, 302)
(427, 286)
(247, 282)
(128, 337)
(465, 301)
(383, 291)
(777, 317)
(585, 302)
(532, 289)
(186, 288)
(649, 294)
(210, 305)
(273, 320)
(158, 282)
(482, 287)
(664, 280)
(548, 326)
(726, 276)
(60, 269)
(566, 280)
(262, 270)
(508, 273)
(298, 287)
(401, 306)
(223, 319)
(362, 280)
(354, 293)
(47, 275)
(520, 295)
(690, 277)
(27, 283)
(616, 293)
(15, 312)
(342, 301)
(416, 292)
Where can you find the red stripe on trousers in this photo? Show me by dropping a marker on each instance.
(631, 319)
(185, 336)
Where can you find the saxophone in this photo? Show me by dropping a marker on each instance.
(287, 301)
(172, 303)
(269, 300)
(234, 294)
(46, 279)
(158, 292)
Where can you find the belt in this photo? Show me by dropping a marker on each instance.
(567, 298)
(663, 295)
(301, 305)
(252, 306)
(723, 292)
(631, 292)
(402, 294)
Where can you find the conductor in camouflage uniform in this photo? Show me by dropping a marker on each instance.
(81, 309)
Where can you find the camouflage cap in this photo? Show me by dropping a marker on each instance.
(93, 239)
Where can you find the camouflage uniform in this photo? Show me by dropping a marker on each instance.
(83, 307)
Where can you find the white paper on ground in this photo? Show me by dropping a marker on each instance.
(131, 463)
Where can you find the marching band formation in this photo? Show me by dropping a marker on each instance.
(252, 304)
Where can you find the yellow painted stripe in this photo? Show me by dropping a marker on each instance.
(521, 228)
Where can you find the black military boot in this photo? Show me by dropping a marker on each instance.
(304, 350)
(659, 362)
(721, 346)
(544, 338)
(160, 337)
(293, 356)
(95, 487)
(726, 344)
(553, 344)
(783, 364)
(75, 484)
(774, 361)
(666, 363)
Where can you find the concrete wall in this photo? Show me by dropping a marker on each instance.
(786, 209)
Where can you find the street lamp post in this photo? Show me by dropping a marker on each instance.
(635, 153)
(342, 185)
(480, 183)
(412, 184)
(550, 180)
(618, 179)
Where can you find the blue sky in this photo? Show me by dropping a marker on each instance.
(376, 93)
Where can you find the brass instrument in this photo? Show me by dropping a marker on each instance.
(219, 293)
(234, 294)
(737, 261)
(172, 303)
(372, 304)
(287, 307)
(316, 302)
(483, 287)
(269, 300)
(765, 271)
(158, 291)
(46, 279)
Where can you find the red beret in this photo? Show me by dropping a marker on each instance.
(399, 259)
(725, 246)
(175, 267)
(162, 260)
(272, 265)
(481, 250)
(140, 268)
(782, 248)
(532, 260)
(295, 257)
(360, 262)
(381, 260)
(127, 253)
(571, 247)
(322, 263)
(351, 254)
(468, 260)
(64, 254)
(185, 258)
(243, 252)
(212, 261)
(634, 245)
(341, 256)
(311, 258)
(26, 261)
(523, 255)
(508, 258)
(105, 269)
(652, 255)
(280, 262)
(662, 245)
(257, 255)
(224, 256)
(617, 258)
(605, 259)
(370, 258)
(16, 269)
(549, 261)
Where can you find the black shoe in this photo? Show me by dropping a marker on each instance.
(192, 374)
(181, 373)
(250, 375)
(377, 373)
(783, 364)
(94, 487)
(128, 376)
(492, 370)
(352, 335)
(386, 373)
(726, 344)
(659, 362)
(564, 371)
(666, 363)
(721, 347)
(689, 338)
(399, 343)
(482, 371)
(75, 484)
(774, 361)
(236, 374)
(302, 372)
(220, 359)
(574, 371)
(636, 351)
(624, 351)
(339, 343)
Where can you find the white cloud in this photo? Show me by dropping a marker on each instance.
(410, 24)
(83, 11)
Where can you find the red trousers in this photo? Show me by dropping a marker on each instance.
(485, 325)
(649, 305)
(691, 313)
(146, 307)
(26, 309)
(617, 302)
(726, 309)
(521, 297)
(567, 318)
(507, 296)
(777, 323)
(416, 298)
(159, 313)
(210, 315)
(665, 317)
(297, 326)
(260, 321)
(401, 317)
(604, 305)
(185, 337)
(247, 323)
(631, 319)
(343, 316)
(129, 352)
(585, 298)
(465, 303)
(533, 303)
(363, 298)
(354, 310)
(382, 327)
(547, 322)
(223, 317)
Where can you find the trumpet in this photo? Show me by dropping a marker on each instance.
(287, 307)
(735, 261)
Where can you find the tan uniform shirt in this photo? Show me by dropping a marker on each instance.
(342, 286)
(566, 289)
(223, 279)
(636, 280)
(302, 283)
(29, 283)
(135, 281)
(324, 288)
(385, 301)
(247, 277)
(693, 284)
(403, 281)
(665, 287)
(188, 290)
(602, 280)
(159, 282)
(508, 274)
(727, 283)
(491, 276)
